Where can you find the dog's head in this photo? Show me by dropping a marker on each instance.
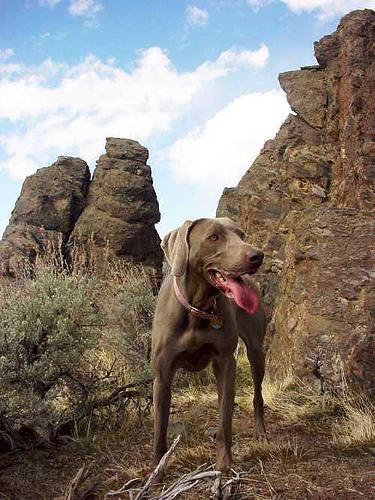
(216, 250)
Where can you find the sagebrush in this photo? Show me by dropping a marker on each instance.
(73, 347)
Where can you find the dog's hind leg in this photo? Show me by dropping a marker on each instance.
(256, 358)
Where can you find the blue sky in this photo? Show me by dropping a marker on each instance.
(194, 81)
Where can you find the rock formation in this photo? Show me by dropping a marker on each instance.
(45, 213)
(112, 216)
(122, 207)
(309, 201)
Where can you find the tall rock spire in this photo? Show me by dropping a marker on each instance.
(122, 208)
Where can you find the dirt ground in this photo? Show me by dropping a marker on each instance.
(300, 461)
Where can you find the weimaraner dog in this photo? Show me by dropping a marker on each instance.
(206, 302)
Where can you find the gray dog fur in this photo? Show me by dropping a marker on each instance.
(180, 340)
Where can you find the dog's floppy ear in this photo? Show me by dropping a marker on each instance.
(175, 246)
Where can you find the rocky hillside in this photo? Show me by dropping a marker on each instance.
(110, 217)
(309, 201)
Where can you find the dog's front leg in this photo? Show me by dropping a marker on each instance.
(162, 403)
(256, 358)
(225, 373)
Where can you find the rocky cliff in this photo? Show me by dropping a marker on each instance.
(309, 201)
(112, 216)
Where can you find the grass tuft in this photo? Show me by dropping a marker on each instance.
(357, 425)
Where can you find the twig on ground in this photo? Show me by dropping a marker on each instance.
(183, 483)
(81, 476)
(228, 489)
(126, 487)
(189, 481)
(270, 487)
(216, 490)
(143, 494)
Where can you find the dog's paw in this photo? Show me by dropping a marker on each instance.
(262, 436)
(260, 432)
(224, 463)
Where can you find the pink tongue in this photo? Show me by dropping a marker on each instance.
(244, 296)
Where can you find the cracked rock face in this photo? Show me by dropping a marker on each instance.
(112, 217)
(325, 306)
(50, 202)
(121, 208)
(320, 167)
(307, 94)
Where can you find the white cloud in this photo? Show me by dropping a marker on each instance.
(196, 16)
(250, 58)
(84, 7)
(88, 9)
(324, 8)
(60, 109)
(6, 54)
(328, 8)
(49, 3)
(219, 152)
(257, 4)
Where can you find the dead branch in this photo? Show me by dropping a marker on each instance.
(125, 487)
(183, 483)
(216, 487)
(118, 394)
(162, 465)
(229, 487)
(71, 492)
(129, 392)
(189, 481)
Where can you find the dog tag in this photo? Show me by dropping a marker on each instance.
(216, 323)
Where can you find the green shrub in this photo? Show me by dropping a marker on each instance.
(129, 311)
(47, 328)
(74, 350)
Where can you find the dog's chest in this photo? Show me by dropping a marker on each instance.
(197, 358)
(200, 343)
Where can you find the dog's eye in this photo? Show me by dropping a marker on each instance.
(213, 237)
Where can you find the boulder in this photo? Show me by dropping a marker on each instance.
(307, 94)
(347, 56)
(292, 172)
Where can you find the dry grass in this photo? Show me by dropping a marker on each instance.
(280, 450)
(306, 456)
(357, 425)
(295, 463)
(348, 417)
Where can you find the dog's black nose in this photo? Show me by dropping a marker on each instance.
(255, 257)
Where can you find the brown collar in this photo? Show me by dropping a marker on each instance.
(215, 319)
